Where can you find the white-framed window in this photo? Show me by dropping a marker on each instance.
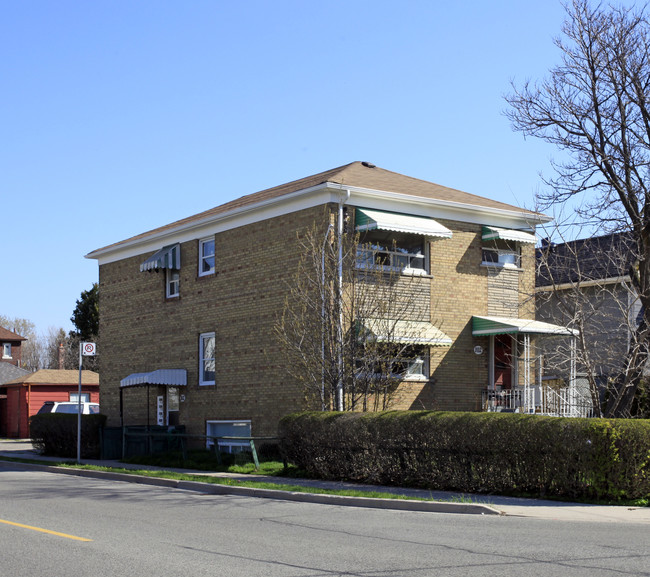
(411, 368)
(6, 350)
(501, 258)
(172, 283)
(207, 360)
(85, 397)
(411, 365)
(401, 252)
(216, 429)
(206, 256)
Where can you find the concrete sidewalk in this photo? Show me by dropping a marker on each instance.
(443, 502)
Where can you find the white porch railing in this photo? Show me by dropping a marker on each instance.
(536, 399)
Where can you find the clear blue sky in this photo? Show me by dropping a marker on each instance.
(118, 117)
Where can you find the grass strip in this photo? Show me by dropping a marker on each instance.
(175, 475)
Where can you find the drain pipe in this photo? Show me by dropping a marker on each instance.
(343, 198)
(322, 317)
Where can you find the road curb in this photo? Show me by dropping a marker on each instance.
(317, 498)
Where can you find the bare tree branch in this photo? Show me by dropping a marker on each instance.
(593, 107)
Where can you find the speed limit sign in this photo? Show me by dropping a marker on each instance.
(88, 349)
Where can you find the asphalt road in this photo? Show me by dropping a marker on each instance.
(142, 530)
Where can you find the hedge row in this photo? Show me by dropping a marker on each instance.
(55, 434)
(475, 452)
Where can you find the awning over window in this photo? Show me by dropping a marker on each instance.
(166, 257)
(408, 332)
(493, 233)
(367, 219)
(482, 326)
(168, 377)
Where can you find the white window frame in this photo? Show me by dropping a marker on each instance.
(230, 445)
(205, 258)
(172, 285)
(74, 397)
(366, 259)
(202, 358)
(421, 362)
(416, 369)
(6, 350)
(505, 258)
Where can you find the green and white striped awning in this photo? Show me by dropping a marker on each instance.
(482, 326)
(367, 219)
(404, 331)
(166, 257)
(493, 233)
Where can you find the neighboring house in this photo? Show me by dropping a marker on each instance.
(8, 372)
(195, 344)
(25, 395)
(11, 343)
(585, 284)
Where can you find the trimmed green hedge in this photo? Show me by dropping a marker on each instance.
(475, 452)
(55, 434)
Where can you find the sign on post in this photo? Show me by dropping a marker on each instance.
(88, 349)
(85, 350)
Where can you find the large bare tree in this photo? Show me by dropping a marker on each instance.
(594, 107)
(584, 284)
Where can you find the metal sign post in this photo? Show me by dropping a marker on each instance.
(85, 350)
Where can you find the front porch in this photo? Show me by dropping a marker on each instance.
(540, 399)
(517, 382)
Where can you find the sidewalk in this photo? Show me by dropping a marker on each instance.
(444, 502)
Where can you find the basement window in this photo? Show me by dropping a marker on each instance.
(228, 429)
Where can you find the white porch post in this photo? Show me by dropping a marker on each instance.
(573, 409)
(491, 383)
(540, 372)
(527, 373)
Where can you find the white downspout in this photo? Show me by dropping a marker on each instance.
(322, 391)
(343, 198)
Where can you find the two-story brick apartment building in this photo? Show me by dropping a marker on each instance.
(200, 333)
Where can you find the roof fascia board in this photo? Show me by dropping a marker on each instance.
(436, 208)
(308, 198)
(583, 284)
(216, 223)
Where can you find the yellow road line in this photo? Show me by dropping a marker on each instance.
(44, 531)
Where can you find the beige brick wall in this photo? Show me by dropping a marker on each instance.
(503, 292)
(460, 289)
(142, 331)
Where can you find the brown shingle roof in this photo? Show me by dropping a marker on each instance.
(57, 377)
(355, 174)
(7, 335)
